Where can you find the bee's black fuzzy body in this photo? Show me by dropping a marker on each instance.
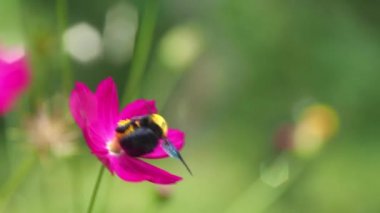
(141, 135)
(140, 142)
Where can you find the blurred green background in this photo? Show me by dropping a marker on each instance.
(230, 74)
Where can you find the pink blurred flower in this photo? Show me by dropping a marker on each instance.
(97, 114)
(14, 77)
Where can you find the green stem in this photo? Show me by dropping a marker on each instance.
(2, 129)
(142, 49)
(61, 13)
(15, 180)
(95, 190)
(4, 159)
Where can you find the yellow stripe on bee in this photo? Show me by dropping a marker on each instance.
(160, 121)
(127, 131)
(123, 122)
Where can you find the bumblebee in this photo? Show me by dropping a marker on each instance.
(141, 135)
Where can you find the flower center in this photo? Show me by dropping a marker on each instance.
(114, 147)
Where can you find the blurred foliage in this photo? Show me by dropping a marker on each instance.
(258, 64)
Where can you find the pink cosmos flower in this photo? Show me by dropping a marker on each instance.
(14, 78)
(97, 114)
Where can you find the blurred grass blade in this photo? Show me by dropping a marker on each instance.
(61, 13)
(3, 150)
(142, 50)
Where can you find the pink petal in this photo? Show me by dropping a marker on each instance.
(84, 109)
(108, 105)
(135, 170)
(14, 78)
(96, 141)
(177, 137)
(138, 108)
(83, 105)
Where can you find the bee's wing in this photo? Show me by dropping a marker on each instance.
(172, 151)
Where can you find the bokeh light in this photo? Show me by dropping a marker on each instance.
(119, 32)
(316, 125)
(180, 46)
(83, 42)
